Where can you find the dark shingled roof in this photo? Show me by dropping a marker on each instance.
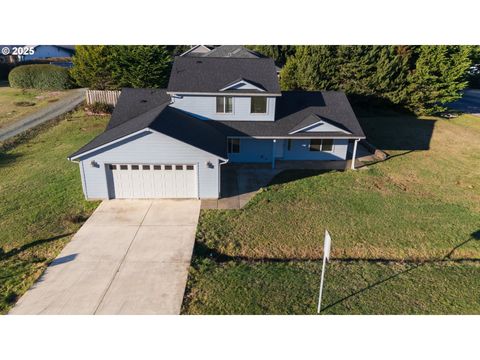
(154, 113)
(138, 109)
(297, 107)
(210, 74)
(134, 102)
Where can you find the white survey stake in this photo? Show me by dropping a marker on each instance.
(327, 244)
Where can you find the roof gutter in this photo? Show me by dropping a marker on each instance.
(221, 93)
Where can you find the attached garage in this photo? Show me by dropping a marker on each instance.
(149, 181)
(151, 150)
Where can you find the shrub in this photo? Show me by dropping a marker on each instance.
(100, 108)
(44, 76)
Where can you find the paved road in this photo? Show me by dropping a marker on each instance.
(48, 113)
(130, 257)
(469, 103)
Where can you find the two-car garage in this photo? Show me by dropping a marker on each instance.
(148, 181)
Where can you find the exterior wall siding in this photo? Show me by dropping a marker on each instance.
(204, 107)
(300, 151)
(253, 151)
(47, 51)
(148, 148)
(261, 151)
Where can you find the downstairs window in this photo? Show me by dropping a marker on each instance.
(321, 145)
(233, 146)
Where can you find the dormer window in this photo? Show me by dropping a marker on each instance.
(258, 105)
(224, 104)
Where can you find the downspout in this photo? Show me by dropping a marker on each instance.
(273, 153)
(220, 163)
(354, 154)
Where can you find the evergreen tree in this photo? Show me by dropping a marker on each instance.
(420, 78)
(92, 67)
(107, 67)
(438, 78)
(141, 66)
(279, 53)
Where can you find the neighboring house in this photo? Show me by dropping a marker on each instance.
(235, 51)
(49, 51)
(173, 142)
(198, 50)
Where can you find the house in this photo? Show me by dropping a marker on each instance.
(48, 52)
(172, 143)
(236, 51)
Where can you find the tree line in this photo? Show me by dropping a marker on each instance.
(421, 79)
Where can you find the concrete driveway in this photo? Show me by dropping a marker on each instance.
(130, 257)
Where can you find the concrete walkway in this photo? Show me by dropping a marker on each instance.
(130, 257)
(45, 114)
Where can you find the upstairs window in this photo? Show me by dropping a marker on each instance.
(321, 145)
(258, 105)
(233, 146)
(224, 104)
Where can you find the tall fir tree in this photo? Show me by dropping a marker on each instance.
(439, 75)
(106, 67)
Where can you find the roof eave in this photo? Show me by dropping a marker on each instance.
(220, 93)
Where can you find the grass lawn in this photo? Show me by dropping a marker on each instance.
(41, 201)
(16, 103)
(422, 204)
(350, 288)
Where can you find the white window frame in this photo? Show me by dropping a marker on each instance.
(224, 105)
(266, 106)
(230, 146)
(321, 146)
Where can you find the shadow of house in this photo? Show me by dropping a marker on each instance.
(399, 132)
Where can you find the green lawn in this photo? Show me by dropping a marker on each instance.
(422, 204)
(16, 103)
(350, 288)
(41, 201)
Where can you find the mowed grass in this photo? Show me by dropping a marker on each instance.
(421, 206)
(350, 288)
(36, 99)
(418, 205)
(41, 201)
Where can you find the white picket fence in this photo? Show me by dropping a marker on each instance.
(109, 97)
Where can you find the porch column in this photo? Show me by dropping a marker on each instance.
(354, 155)
(273, 153)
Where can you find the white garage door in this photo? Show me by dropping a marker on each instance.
(137, 181)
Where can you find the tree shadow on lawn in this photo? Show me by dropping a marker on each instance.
(474, 236)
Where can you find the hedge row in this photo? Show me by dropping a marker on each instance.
(44, 76)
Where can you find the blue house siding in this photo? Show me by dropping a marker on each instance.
(261, 151)
(253, 151)
(205, 107)
(47, 51)
(148, 148)
(300, 151)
